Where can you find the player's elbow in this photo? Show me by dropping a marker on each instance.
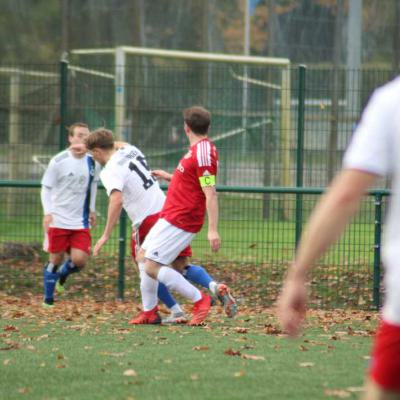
(347, 198)
(116, 198)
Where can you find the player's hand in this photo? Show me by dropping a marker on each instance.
(47, 220)
(292, 305)
(93, 219)
(214, 240)
(161, 174)
(100, 243)
(78, 149)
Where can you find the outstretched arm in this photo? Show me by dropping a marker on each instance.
(326, 223)
(161, 174)
(114, 211)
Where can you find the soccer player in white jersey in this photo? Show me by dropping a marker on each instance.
(68, 196)
(130, 185)
(373, 152)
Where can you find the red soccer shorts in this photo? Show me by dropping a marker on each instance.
(385, 365)
(144, 229)
(63, 240)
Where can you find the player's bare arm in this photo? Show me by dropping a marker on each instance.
(114, 211)
(212, 211)
(327, 222)
(161, 175)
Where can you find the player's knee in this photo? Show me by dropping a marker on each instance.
(151, 269)
(79, 262)
(180, 263)
(57, 259)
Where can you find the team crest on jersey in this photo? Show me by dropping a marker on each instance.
(180, 168)
(188, 154)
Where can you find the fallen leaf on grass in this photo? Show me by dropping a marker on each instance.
(24, 390)
(60, 366)
(306, 364)
(7, 361)
(252, 357)
(201, 348)
(130, 372)
(239, 329)
(239, 374)
(337, 393)
(10, 328)
(231, 352)
(194, 377)
(303, 348)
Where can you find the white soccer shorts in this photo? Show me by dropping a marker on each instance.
(164, 242)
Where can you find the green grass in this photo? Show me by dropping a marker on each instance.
(82, 352)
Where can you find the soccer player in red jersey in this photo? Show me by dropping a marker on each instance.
(191, 193)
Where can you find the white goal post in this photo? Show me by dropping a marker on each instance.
(121, 52)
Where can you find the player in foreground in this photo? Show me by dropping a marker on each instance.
(130, 185)
(68, 195)
(374, 151)
(191, 192)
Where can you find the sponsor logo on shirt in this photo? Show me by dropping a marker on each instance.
(180, 168)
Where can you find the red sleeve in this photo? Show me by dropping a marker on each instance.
(206, 157)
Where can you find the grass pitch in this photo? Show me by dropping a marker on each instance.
(84, 349)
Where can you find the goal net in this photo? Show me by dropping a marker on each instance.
(140, 94)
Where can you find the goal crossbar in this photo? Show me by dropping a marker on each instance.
(187, 55)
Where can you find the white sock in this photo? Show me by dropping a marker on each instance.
(213, 287)
(175, 281)
(176, 309)
(148, 289)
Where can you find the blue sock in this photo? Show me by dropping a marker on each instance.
(66, 269)
(165, 296)
(50, 277)
(197, 274)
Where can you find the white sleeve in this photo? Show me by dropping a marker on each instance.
(111, 180)
(45, 195)
(49, 178)
(370, 149)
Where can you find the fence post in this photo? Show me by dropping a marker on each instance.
(121, 255)
(377, 250)
(300, 149)
(63, 101)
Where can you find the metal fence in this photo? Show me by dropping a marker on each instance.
(278, 130)
(257, 247)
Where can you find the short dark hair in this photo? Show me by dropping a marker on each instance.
(100, 138)
(72, 127)
(198, 119)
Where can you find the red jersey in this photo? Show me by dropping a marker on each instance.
(185, 206)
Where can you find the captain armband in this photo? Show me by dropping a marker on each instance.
(208, 180)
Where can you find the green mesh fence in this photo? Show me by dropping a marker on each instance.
(255, 127)
(254, 256)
